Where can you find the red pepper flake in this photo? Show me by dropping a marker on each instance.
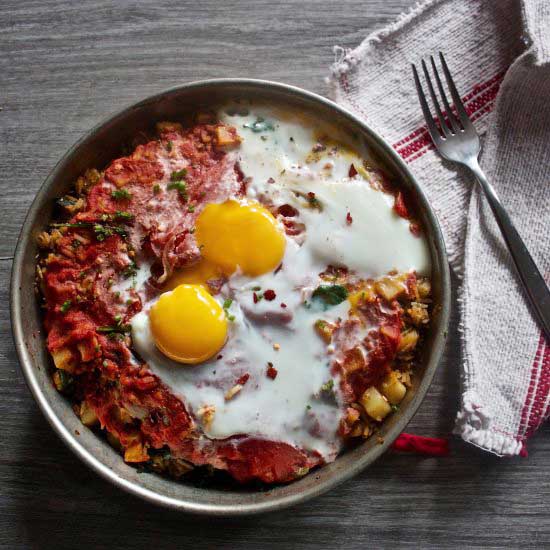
(400, 207)
(270, 180)
(349, 219)
(243, 379)
(271, 371)
(311, 196)
(270, 295)
(287, 211)
(352, 171)
(255, 298)
(219, 357)
(283, 305)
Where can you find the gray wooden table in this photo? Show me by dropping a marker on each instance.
(64, 66)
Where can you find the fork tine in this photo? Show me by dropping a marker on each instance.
(432, 128)
(459, 106)
(450, 115)
(444, 128)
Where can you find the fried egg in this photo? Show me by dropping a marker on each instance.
(221, 350)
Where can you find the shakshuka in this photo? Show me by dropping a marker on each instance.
(244, 291)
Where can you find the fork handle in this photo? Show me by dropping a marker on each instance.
(532, 280)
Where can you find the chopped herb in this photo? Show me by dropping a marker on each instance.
(263, 138)
(192, 230)
(156, 189)
(328, 386)
(256, 288)
(63, 381)
(118, 319)
(110, 282)
(395, 408)
(178, 175)
(76, 243)
(331, 295)
(117, 329)
(129, 302)
(314, 201)
(190, 208)
(65, 306)
(104, 231)
(226, 305)
(308, 407)
(260, 125)
(181, 188)
(169, 146)
(122, 215)
(256, 297)
(121, 194)
(130, 270)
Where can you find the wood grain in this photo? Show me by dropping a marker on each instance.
(64, 66)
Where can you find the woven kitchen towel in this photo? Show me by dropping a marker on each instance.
(499, 54)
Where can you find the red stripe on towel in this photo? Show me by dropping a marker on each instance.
(531, 391)
(475, 102)
(537, 414)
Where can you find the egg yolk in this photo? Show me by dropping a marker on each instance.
(244, 235)
(199, 274)
(188, 325)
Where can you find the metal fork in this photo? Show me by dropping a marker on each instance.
(458, 141)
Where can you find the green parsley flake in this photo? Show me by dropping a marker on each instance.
(331, 295)
(181, 188)
(178, 175)
(260, 125)
(156, 189)
(121, 195)
(65, 306)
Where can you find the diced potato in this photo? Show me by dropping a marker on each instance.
(408, 341)
(324, 329)
(87, 350)
(424, 288)
(418, 314)
(375, 404)
(393, 389)
(390, 288)
(62, 380)
(225, 138)
(361, 296)
(87, 414)
(167, 126)
(136, 452)
(123, 415)
(63, 359)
